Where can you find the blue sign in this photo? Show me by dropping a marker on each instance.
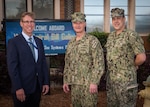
(55, 34)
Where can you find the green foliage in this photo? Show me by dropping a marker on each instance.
(54, 62)
(102, 36)
(57, 61)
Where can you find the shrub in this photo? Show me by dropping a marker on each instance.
(102, 36)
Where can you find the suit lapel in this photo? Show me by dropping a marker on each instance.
(25, 43)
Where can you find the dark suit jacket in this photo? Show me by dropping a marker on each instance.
(22, 67)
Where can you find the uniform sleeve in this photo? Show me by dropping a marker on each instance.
(137, 43)
(66, 67)
(98, 61)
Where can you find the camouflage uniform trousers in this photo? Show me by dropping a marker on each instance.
(119, 96)
(81, 97)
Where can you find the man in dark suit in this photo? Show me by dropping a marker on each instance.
(28, 70)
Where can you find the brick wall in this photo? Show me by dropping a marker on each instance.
(77, 5)
(62, 7)
(146, 43)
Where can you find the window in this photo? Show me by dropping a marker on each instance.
(142, 16)
(14, 8)
(94, 14)
(43, 9)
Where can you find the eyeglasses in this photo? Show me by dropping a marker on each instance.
(27, 22)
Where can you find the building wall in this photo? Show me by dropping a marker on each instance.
(146, 43)
(77, 5)
(62, 7)
(59, 13)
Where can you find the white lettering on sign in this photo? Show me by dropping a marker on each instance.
(57, 27)
(56, 47)
(67, 36)
(55, 36)
(40, 28)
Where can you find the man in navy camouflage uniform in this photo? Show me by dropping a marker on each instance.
(125, 52)
(84, 65)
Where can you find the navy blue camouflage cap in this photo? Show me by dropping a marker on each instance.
(78, 17)
(116, 12)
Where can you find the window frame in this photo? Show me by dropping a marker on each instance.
(5, 17)
(52, 13)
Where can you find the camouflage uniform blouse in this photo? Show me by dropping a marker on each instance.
(121, 51)
(84, 61)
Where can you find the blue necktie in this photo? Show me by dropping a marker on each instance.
(32, 47)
